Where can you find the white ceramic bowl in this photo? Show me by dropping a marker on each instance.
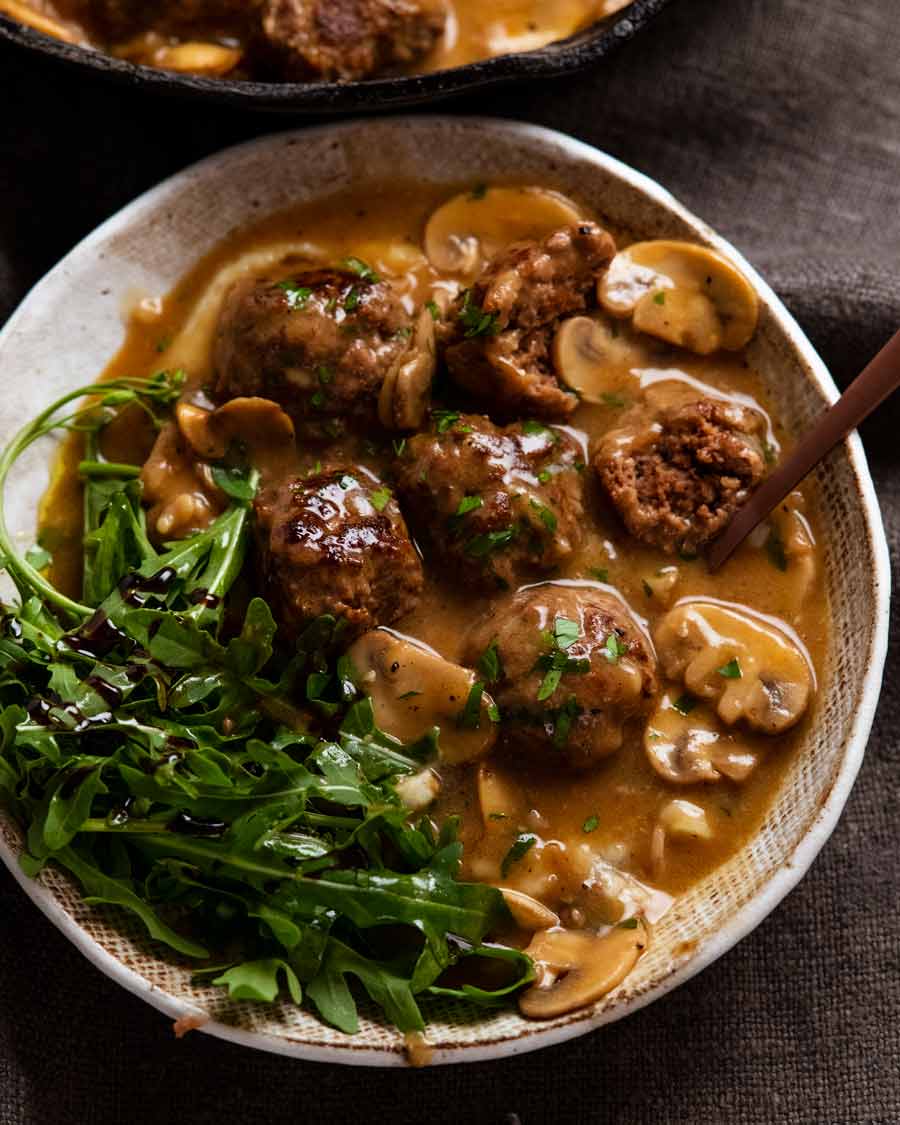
(71, 324)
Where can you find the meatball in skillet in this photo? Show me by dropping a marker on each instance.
(343, 40)
(574, 669)
(501, 331)
(318, 343)
(677, 478)
(493, 504)
(335, 543)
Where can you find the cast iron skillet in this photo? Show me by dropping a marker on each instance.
(563, 57)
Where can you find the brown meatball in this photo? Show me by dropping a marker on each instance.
(336, 543)
(677, 478)
(499, 348)
(493, 504)
(318, 343)
(575, 669)
(342, 40)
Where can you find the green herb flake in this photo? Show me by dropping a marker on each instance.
(434, 309)
(325, 374)
(522, 846)
(296, 295)
(544, 476)
(497, 816)
(409, 694)
(489, 663)
(399, 446)
(483, 545)
(565, 633)
(684, 704)
(494, 713)
(360, 268)
(614, 648)
(629, 924)
(476, 321)
(613, 400)
(470, 716)
(469, 504)
(769, 453)
(547, 518)
(351, 301)
(599, 572)
(444, 419)
(380, 498)
(591, 824)
(318, 400)
(731, 670)
(659, 298)
(648, 589)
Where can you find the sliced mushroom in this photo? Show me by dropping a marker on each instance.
(586, 351)
(527, 912)
(413, 689)
(682, 293)
(577, 967)
(406, 391)
(660, 586)
(689, 747)
(258, 423)
(684, 819)
(418, 790)
(499, 803)
(791, 543)
(209, 60)
(467, 230)
(24, 13)
(748, 665)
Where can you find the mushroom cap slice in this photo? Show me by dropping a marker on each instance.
(748, 665)
(682, 293)
(467, 230)
(418, 790)
(211, 60)
(413, 689)
(406, 391)
(584, 352)
(577, 967)
(527, 912)
(258, 423)
(689, 748)
(683, 818)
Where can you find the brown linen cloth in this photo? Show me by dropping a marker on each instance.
(779, 122)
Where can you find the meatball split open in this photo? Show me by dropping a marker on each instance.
(501, 335)
(575, 669)
(319, 343)
(676, 479)
(335, 543)
(497, 505)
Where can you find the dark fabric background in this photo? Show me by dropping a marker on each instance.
(779, 122)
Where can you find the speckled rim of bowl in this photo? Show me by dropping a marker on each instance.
(565, 56)
(553, 145)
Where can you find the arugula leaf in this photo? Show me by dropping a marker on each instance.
(258, 980)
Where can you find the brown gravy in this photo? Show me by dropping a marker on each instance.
(612, 810)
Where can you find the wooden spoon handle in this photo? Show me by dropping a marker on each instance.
(867, 392)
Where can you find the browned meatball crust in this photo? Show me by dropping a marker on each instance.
(574, 670)
(335, 543)
(501, 331)
(318, 343)
(344, 40)
(493, 504)
(677, 479)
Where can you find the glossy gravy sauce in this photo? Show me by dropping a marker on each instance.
(611, 812)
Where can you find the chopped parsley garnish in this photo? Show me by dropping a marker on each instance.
(318, 400)
(614, 400)
(494, 713)
(489, 663)
(490, 541)
(565, 633)
(775, 550)
(769, 453)
(659, 298)
(562, 721)
(470, 716)
(555, 665)
(684, 704)
(544, 476)
(497, 816)
(351, 301)
(599, 572)
(731, 670)
(380, 498)
(591, 824)
(325, 374)
(531, 427)
(629, 924)
(434, 309)
(162, 343)
(476, 321)
(296, 295)
(404, 333)
(524, 843)
(444, 419)
(399, 446)
(648, 589)
(408, 694)
(614, 648)
(469, 504)
(360, 268)
(547, 518)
